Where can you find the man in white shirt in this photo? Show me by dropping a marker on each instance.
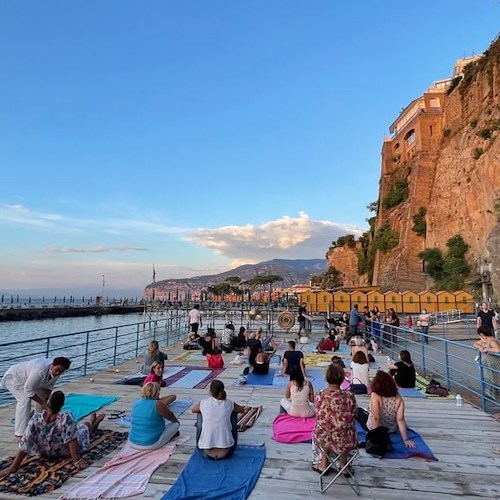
(32, 381)
(194, 318)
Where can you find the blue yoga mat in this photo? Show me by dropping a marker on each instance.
(261, 379)
(81, 405)
(191, 379)
(400, 450)
(411, 393)
(228, 479)
(317, 378)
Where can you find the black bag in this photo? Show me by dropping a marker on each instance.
(436, 389)
(358, 388)
(378, 442)
(191, 346)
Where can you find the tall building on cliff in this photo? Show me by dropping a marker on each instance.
(408, 174)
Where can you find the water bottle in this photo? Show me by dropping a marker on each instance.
(458, 400)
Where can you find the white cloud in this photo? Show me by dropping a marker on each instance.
(287, 237)
(119, 248)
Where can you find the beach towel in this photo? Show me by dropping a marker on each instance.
(81, 405)
(41, 475)
(178, 407)
(193, 377)
(421, 384)
(126, 474)
(288, 429)
(229, 479)
(399, 449)
(190, 356)
(248, 418)
(411, 393)
(317, 359)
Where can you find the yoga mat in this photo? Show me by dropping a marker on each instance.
(275, 360)
(41, 475)
(228, 479)
(81, 405)
(288, 429)
(317, 378)
(214, 373)
(190, 379)
(400, 450)
(343, 349)
(190, 356)
(421, 384)
(261, 379)
(178, 407)
(170, 371)
(411, 393)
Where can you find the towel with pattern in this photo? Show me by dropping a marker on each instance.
(41, 475)
(248, 417)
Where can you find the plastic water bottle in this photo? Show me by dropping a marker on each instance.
(458, 400)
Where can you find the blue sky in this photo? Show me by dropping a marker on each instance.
(199, 135)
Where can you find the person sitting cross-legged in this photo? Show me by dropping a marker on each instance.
(56, 434)
(292, 358)
(299, 395)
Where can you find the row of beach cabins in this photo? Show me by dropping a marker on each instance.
(402, 302)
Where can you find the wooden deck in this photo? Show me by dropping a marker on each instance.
(461, 438)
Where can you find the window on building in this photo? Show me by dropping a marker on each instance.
(430, 130)
(410, 137)
(411, 299)
(435, 103)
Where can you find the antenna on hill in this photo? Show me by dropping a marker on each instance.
(154, 274)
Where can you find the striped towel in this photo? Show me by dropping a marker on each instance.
(248, 418)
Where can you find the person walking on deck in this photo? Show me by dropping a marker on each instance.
(32, 381)
(194, 318)
(486, 317)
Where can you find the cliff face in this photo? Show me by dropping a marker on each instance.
(345, 260)
(446, 148)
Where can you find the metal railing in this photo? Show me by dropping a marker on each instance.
(94, 350)
(457, 365)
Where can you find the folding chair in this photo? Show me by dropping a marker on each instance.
(345, 471)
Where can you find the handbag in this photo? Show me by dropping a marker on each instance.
(215, 361)
(358, 388)
(378, 442)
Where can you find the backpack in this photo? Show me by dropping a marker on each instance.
(378, 442)
(215, 361)
(435, 388)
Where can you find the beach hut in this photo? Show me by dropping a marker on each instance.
(428, 301)
(464, 302)
(309, 298)
(393, 299)
(359, 298)
(375, 298)
(341, 301)
(411, 302)
(324, 301)
(445, 301)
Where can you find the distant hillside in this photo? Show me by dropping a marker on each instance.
(292, 271)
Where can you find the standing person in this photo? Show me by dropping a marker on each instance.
(368, 323)
(301, 317)
(216, 424)
(32, 381)
(489, 348)
(486, 317)
(194, 318)
(292, 358)
(355, 317)
(424, 320)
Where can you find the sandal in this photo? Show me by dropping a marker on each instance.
(115, 415)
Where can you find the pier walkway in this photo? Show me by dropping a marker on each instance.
(460, 437)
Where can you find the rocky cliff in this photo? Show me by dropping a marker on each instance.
(345, 260)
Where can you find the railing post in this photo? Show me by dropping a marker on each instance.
(87, 335)
(483, 383)
(137, 340)
(116, 345)
(447, 365)
(423, 359)
(47, 349)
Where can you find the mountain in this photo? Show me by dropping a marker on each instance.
(292, 271)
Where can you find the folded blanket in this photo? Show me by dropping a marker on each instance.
(400, 450)
(248, 418)
(41, 475)
(288, 429)
(81, 405)
(411, 393)
(229, 479)
(126, 474)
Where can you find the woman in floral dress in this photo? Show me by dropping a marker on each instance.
(335, 411)
(55, 433)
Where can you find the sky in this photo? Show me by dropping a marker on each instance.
(197, 136)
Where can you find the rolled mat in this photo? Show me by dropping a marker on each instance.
(248, 418)
(228, 479)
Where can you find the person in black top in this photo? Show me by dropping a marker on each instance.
(403, 371)
(253, 344)
(486, 318)
(301, 318)
(292, 358)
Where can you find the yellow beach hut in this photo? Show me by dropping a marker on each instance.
(445, 301)
(341, 301)
(428, 301)
(411, 302)
(376, 298)
(359, 298)
(464, 301)
(393, 299)
(310, 299)
(324, 301)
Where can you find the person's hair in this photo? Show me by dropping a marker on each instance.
(424, 311)
(56, 401)
(383, 385)
(154, 365)
(376, 309)
(153, 348)
(337, 360)
(151, 390)
(297, 375)
(358, 341)
(355, 306)
(332, 332)
(334, 374)
(62, 361)
(242, 330)
(360, 358)
(405, 357)
(484, 330)
(217, 390)
(485, 303)
(196, 306)
(291, 343)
